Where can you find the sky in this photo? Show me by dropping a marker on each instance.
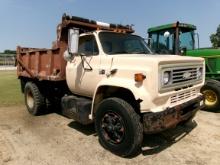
(32, 23)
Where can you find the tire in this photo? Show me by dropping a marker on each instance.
(34, 100)
(118, 127)
(211, 92)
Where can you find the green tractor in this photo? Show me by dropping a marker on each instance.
(181, 39)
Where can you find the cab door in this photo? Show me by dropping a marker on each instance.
(84, 68)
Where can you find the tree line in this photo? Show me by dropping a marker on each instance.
(7, 51)
(215, 38)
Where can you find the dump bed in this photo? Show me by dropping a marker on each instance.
(41, 64)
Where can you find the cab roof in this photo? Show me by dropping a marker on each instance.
(171, 25)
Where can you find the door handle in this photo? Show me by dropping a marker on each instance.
(102, 71)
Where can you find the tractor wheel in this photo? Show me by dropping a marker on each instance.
(118, 127)
(34, 100)
(211, 92)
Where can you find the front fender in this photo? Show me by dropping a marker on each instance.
(137, 89)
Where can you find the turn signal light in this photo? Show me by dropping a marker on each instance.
(139, 77)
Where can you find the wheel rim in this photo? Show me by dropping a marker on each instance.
(113, 128)
(210, 97)
(30, 99)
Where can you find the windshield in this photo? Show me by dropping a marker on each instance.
(120, 43)
(162, 44)
(165, 44)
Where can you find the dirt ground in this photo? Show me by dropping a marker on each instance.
(53, 139)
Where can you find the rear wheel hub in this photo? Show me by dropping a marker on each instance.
(210, 97)
(30, 99)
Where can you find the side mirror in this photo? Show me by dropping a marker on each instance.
(196, 35)
(73, 41)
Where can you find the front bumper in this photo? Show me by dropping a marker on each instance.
(159, 121)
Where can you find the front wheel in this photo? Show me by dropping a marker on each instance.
(211, 92)
(118, 127)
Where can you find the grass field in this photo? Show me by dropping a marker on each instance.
(10, 92)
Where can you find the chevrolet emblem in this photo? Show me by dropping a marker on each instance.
(187, 75)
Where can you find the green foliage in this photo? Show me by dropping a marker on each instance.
(215, 38)
(7, 51)
(10, 93)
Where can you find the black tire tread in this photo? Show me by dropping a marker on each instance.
(212, 84)
(135, 119)
(39, 99)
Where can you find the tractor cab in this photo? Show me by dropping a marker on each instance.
(174, 38)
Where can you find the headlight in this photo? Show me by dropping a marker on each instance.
(199, 72)
(166, 77)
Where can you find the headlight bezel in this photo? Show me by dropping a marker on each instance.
(166, 77)
(199, 72)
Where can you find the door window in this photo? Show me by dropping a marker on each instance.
(88, 45)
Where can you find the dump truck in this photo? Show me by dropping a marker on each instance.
(182, 39)
(105, 74)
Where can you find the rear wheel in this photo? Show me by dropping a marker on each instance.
(211, 91)
(118, 127)
(34, 100)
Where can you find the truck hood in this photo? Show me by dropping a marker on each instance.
(158, 58)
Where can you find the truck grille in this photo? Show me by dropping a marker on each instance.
(182, 96)
(183, 75)
(178, 77)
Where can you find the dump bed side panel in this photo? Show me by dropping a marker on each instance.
(41, 64)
